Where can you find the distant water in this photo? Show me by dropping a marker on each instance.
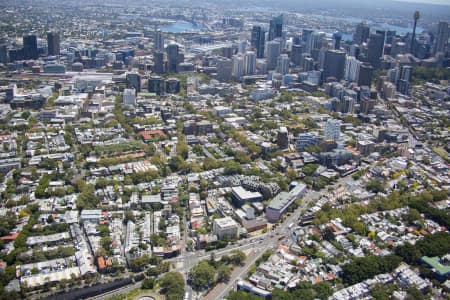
(399, 30)
(179, 27)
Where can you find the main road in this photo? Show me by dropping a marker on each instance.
(270, 241)
(259, 245)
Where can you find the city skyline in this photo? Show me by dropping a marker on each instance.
(239, 150)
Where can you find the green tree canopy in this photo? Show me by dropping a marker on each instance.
(202, 275)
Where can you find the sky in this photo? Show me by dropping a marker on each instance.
(442, 2)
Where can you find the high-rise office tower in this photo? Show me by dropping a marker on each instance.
(352, 69)
(347, 104)
(158, 41)
(3, 54)
(173, 58)
(401, 77)
(406, 73)
(129, 97)
(250, 63)
(322, 52)
(156, 85)
(173, 86)
(390, 34)
(276, 28)
(30, 48)
(384, 34)
(315, 41)
(375, 49)
(242, 46)
(296, 54)
(224, 69)
(393, 75)
(53, 43)
(158, 60)
(283, 64)
(357, 71)
(337, 36)
(354, 51)
(258, 40)
(133, 81)
(283, 138)
(227, 52)
(362, 33)
(334, 64)
(238, 67)
(273, 51)
(296, 40)
(308, 64)
(365, 75)
(332, 129)
(306, 33)
(442, 37)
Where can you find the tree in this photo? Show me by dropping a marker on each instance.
(237, 257)
(415, 294)
(309, 169)
(412, 216)
(211, 163)
(232, 167)
(148, 283)
(41, 189)
(241, 157)
(182, 149)
(50, 219)
(139, 263)
(434, 244)
(379, 292)
(212, 260)
(291, 174)
(223, 273)
(172, 286)
(202, 275)
(323, 290)
(375, 186)
(25, 115)
(178, 163)
(87, 198)
(129, 216)
(362, 268)
(106, 242)
(59, 192)
(328, 234)
(240, 295)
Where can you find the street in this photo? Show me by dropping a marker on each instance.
(259, 245)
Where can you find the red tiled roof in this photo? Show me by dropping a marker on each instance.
(283, 247)
(148, 134)
(10, 237)
(101, 262)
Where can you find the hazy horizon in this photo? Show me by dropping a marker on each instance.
(438, 2)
